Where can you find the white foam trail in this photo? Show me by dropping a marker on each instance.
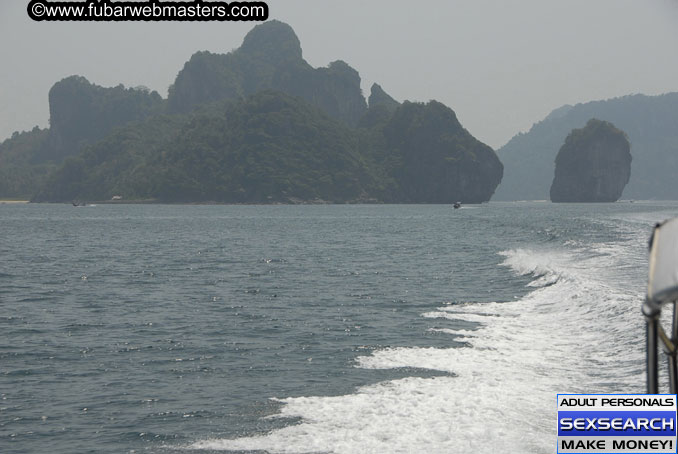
(456, 332)
(401, 416)
(577, 331)
(464, 316)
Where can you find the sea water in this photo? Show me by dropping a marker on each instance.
(314, 329)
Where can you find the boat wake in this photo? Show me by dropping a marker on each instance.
(576, 331)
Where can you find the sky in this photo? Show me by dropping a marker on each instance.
(501, 65)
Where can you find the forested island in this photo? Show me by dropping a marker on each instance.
(257, 125)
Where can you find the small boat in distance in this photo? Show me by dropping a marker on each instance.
(457, 205)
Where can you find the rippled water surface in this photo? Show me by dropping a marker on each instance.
(313, 329)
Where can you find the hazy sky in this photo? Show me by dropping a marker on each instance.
(502, 65)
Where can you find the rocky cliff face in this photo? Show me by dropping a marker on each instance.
(434, 159)
(381, 108)
(269, 58)
(594, 164)
(378, 97)
(335, 89)
(81, 113)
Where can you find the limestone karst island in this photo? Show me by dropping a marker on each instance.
(594, 164)
(257, 125)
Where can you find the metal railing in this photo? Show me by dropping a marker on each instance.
(662, 293)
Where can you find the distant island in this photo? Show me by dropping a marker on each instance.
(594, 164)
(257, 125)
(651, 123)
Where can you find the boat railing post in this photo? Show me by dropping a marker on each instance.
(673, 370)
(652, 313)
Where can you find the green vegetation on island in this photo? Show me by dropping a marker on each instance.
(21, 169)
(274, 148)
(81, 113)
